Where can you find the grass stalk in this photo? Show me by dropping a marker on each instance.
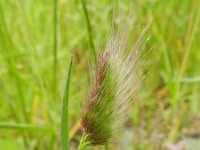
(83, 142)
(55, 49)
(25, 127)
(89, 29)
(65, 113)
(106, 147)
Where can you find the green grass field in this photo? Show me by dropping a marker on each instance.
(37, 40)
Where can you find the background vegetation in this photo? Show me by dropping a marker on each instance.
(35, 50)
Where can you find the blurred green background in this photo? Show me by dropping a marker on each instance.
(35, 49)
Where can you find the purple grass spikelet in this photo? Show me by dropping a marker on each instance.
(119, 75)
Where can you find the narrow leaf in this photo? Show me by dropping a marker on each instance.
(65, 112)
(26, 127)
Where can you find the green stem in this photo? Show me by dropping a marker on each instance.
(106, 147)
(83, 142)
(55, 49)
(26, 127)
(89, 29)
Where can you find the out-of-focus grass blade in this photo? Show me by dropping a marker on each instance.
(26, 127)
(89, 29)
(190, 79)
(55, 49)
(64, 117)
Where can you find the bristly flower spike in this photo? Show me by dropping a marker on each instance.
(118, 78)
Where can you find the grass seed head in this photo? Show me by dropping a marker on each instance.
(114, 89)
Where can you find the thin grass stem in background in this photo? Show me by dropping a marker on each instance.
(190, 80)
(106, 147)
(89, 29)
(55, 49)
(26, 127)
(192, 30)
(65, 113)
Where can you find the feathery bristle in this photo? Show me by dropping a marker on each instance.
(114, 89)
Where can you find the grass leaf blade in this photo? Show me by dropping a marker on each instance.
(26, 127)
(89, 29)
(65, 110)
